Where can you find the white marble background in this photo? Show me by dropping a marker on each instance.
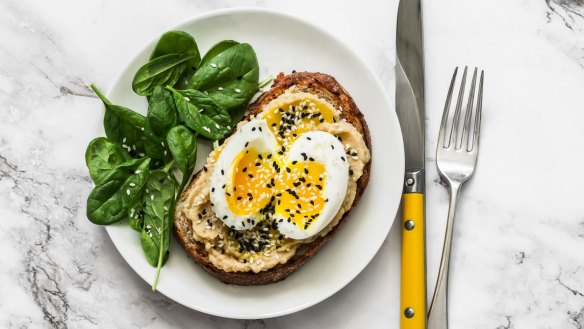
(518, 257)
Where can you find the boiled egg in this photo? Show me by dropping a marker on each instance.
(314, 182)
(243, 176)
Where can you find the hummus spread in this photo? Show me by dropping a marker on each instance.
(263, 247)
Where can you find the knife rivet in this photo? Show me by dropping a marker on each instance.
(409, 224)
(409, 312)
(410, 181)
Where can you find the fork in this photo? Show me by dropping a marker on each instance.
(456, 158)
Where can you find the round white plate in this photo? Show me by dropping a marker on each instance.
(283, 43)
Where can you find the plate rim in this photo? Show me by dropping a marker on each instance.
(347, 49)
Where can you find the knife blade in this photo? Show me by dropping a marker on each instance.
(410, 111)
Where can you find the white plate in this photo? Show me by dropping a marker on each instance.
(282, 43)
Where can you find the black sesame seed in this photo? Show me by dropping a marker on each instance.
(205, 168)
(212, 189)
(253, 129)
(260, 157)
(225, 217)
(309, 138)
(250, 175)
(343, 158)
(318, 186)
(288, 170)
(244, 169)
(311, 159)
(222, 172)
(246, 144)
(294, 162)
(260, 128)
(239, 198)
(332, 147)
(351, 172)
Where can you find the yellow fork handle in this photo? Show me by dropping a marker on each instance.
(413, 263)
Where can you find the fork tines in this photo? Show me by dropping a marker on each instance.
(455, 138)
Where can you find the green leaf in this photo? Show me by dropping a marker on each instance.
(183, 146)
(209, 126)
(230, 78)
(155, 235)
(218, 48)
(160, 71)
(179, 42)
(136, 214)
(123, 126)
(102, 157)
(162, 115)
(108, 202)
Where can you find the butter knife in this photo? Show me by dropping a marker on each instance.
(410, 111)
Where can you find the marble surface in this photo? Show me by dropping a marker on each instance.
(517, 257)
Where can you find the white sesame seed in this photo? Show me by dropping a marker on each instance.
(152, 197)
(187, 99)
(124, 140)
(132, 184)
(147, 191)
(142, 128)
(162, 143)
(141, 154)
(220, 88)
(237, 90)
(207, 129)
(137, 172)
(213, 65)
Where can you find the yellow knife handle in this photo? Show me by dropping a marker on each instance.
(413, 263)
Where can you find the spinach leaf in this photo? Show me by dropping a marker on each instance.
(123, 126)
(158, 212)
(216, 49)
(161, 71)
(208, 126)
(108, 202)
(206, 106)
(230, 78)
(183, 146)
(102, 157)
(162, 115)
(179, 42)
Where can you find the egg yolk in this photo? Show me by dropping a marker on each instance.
(290, 120)
(250, 188)
(300, 200)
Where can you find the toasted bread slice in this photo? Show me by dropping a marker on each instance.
(325, 87)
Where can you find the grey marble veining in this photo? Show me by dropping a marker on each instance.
(517, 254)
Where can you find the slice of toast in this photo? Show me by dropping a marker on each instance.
(325, 87)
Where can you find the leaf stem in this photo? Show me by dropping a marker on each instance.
(100, 94)
(265, 82)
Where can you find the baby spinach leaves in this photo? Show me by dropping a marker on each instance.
(132, 168)
(179, 42)
(216, 49)
(230, 78)
(102, 157)
(109, 201)
(161, 71)
(155, 234)
(162, 115)
(183, 146)
(122, 125)
(211, 127)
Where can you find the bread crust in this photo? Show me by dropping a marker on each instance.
(327, 87)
